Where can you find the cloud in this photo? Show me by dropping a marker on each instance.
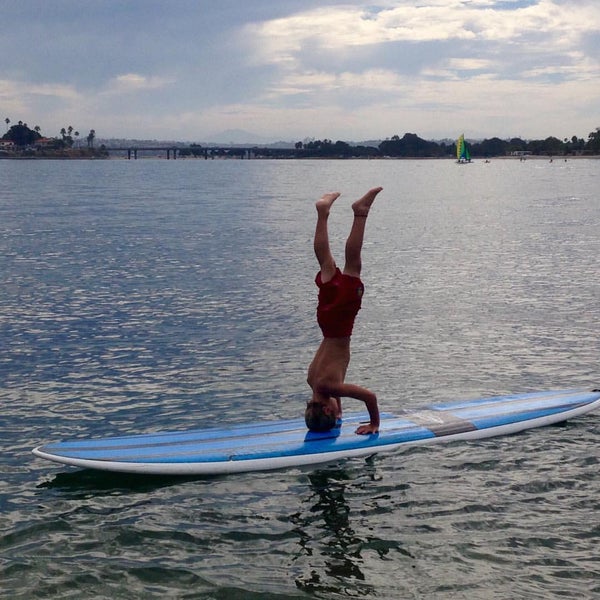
(372, 81)
(134, 82)
(349, 69)
(335, 29)
(469, 64)
(11, 91)
(434, 62)
(22, 100)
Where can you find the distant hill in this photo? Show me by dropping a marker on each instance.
(238, 137)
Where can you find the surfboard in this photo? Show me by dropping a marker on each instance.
(287, 443)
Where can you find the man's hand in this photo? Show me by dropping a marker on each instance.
(349, 390)
(367, 429)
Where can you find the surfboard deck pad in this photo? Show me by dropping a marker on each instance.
(280, 444)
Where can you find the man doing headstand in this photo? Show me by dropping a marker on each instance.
(340, 295)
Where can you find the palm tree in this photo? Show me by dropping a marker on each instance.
(90, 138)
(7, 121)
(593, 143)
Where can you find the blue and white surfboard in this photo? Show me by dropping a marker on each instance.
(280, 444)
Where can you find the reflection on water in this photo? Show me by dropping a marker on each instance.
(340, 554)
(146, 295)
(339, 547)
(86, 482)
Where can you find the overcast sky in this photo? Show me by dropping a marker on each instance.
(294, 69)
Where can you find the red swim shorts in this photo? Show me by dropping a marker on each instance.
(339, 302)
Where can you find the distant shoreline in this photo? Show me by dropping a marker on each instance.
(54, 157)
(536, 157)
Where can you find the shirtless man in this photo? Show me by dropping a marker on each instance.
(340, 295)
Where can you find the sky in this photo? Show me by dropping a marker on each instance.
(202, 70)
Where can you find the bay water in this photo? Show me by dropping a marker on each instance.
(146, 295)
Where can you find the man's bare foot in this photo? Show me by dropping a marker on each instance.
(324, 203)
(361, 207)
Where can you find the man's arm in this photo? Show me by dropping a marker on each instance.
(349, 390)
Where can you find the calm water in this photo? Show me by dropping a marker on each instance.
(145, 295)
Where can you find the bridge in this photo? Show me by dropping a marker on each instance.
(132, 152)
(209, 151)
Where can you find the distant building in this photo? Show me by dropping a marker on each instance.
(521, 153)
(45, 142)
(7, 144)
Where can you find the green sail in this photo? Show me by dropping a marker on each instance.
(462, 152)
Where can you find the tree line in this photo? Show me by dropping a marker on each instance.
(412, 146)
(21, 135)
(408, 146)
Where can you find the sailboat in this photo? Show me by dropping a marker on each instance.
(462, 152)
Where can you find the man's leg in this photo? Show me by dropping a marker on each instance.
(357, 232)
(321, 242)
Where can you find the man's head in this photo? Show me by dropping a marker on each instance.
(321, 415)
